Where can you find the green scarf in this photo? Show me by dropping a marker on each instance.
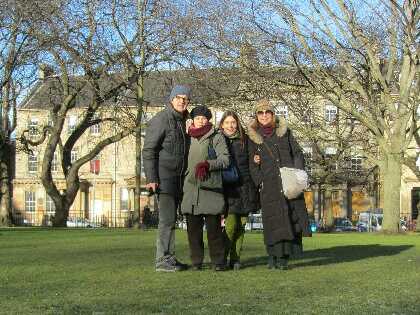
(236, 135)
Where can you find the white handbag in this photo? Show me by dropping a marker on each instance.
(294, 181)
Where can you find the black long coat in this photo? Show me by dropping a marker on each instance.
(282, 219)
(241, 197)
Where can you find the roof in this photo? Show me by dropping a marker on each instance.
(207, 85)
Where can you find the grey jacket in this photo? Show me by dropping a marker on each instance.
(165, 150)
(196, 199)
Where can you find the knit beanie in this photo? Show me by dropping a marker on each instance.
(201, 111)
(180, 90)
(263, 105)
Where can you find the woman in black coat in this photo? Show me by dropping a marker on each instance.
(241, 195)
(285, 221)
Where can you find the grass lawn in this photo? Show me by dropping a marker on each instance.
(71, 271)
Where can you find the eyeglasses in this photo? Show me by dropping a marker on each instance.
(265, 112)
(185, 99)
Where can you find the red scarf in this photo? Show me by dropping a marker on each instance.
(199, 132)
(267, 130)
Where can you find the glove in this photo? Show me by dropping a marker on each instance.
(202, 170)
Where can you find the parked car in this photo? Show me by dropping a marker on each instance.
(80, 223)
(254, 222)
(343, 225)
(370, 221)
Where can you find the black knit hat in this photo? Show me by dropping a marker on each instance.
(201, 111)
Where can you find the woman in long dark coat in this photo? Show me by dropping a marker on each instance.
(285, 221)
(241, 195)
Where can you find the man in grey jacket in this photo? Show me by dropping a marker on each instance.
(165, 154)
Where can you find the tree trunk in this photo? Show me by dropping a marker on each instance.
(5, 196)
(138, 211)
(319, 203)
(137, 207)
(61, 215)
(328, 210)
(391, 172)
(5, 185)
(349, 209)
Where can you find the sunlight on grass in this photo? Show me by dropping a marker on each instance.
(45, 271)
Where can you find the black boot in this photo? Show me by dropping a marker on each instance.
(282, 263)
(272, 260)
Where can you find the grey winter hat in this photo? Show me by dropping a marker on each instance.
(180, 90)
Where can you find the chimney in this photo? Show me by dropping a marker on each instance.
(248, 57)
(45, 71)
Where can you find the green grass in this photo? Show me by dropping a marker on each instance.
(45, 271)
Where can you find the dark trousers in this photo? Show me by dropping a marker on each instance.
(215, 238)
(165, 240)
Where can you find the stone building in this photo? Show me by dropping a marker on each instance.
(106, 195)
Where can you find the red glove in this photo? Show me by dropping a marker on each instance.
(202, 170)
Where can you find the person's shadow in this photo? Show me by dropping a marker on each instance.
(335, 255)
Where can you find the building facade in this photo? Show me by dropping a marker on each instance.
(106, 195)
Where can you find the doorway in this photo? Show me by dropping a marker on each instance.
(415, 202)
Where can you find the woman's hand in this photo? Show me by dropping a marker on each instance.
(202, 170)
(257, 159)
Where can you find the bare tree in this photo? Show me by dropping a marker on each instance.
(150, 36)
(16, 54)
(75, 42)
(363, 58)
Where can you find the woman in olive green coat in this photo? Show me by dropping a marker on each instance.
(203, 198)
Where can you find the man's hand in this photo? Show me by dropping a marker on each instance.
(152, 186)
(257, 159)
(188, 124)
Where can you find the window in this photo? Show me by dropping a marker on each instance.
(124, 196)
(330, 113)
(30, 204)
(72, 121)
(32, 163)
(73, 155)
(95, 165)
(330, 153)
(50, 121)
(33, 126)
(54, 163)
(356, 163)
(282, 110)
(49, 204)
(307, 153)
(95, 129)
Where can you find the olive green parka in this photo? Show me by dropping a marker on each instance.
(198, 200)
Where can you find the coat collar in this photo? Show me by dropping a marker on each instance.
(208, 134)
(256, 137)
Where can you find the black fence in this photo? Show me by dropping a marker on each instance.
(78, 219)
(124, 219)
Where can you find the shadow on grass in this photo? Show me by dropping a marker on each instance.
(336, 255)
